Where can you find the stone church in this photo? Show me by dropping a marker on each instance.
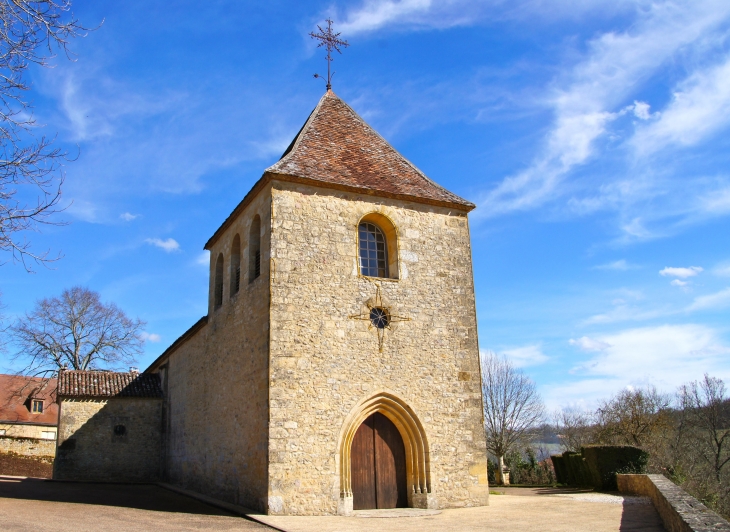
(338, 366)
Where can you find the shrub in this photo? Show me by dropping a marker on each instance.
(526, 469)
(604, 461)
(577, 470)
(561, 472)
(492, 471)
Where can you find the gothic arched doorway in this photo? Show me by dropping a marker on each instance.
(378, 465)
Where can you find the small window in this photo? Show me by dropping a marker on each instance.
(254, 250)
(120, 430)
(373, 251)
(48, 435)
(235, 265)
(218, 285)
(37, 407)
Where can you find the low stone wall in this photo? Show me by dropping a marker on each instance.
(679, 511)
(28, 446)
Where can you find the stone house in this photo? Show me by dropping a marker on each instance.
(28, 407)
(337, 367)
(109, 426)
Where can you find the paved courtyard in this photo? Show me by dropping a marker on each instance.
(38, 505)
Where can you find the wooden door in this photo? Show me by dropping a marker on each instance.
(362, 463)
(378, 465)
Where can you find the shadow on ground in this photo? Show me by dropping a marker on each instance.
(639, 517)
(139, 496)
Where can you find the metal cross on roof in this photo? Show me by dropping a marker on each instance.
(329, 40)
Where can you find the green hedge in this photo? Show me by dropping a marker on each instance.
(578, 474)
(561, 473)
(604, 461)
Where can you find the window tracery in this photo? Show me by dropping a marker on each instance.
(373, 250)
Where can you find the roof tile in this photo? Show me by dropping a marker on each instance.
(16, 392)
(337, 147)
(75, 383)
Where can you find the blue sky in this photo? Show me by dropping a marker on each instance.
(592, 135)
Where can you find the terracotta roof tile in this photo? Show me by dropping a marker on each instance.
(337, 147)
(73, 383)
(16, 393)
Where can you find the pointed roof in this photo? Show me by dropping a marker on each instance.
(337, 147)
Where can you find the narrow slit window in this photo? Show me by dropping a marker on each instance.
(235, 265)
(254, 250)
(218, 286)
(373, 251)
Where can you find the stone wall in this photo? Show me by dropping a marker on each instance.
(679, 511)
(26, 430)
(323, 362)
(89, 448)
(216, 382)
(28, 446)
(254, 413)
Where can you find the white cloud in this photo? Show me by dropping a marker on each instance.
(585, 101)
(589, 344)
(168, 245)
(699, 108)
(529, 355)
(677, 282)
(716, 202)
(717, 300)
(666, 355)
(203, 259)
(624, 312)
(722, 270)
(151, 337)
(618, 265)
(592, 95)
(636, 230)
(581, 395)
(377, 13)
(682, 273)
(374, 15)
(641, 110)
(128, 217)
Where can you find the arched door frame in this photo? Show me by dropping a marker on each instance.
(418, 466)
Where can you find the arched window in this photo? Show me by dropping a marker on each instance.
(377, 247)
(254, 249)
(235, 265)
(218, 286)
(373, 251)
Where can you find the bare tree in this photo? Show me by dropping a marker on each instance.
(708, 412)
(633, 417)
(77, 331)
(30, 33)
(512, 407)
(575, 428)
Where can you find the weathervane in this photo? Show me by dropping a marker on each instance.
(329, 40)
